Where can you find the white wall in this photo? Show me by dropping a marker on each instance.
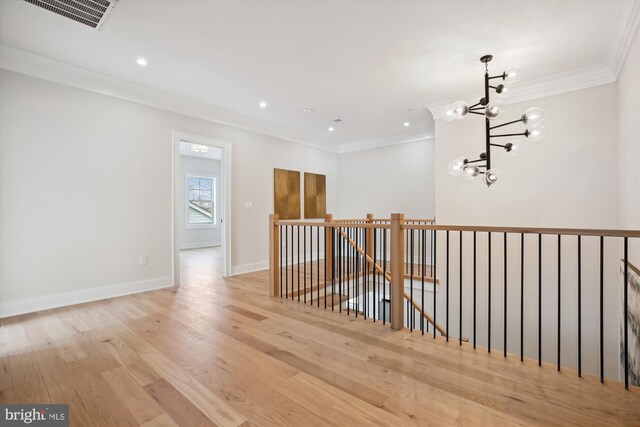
(198, 237)
(569, 180)
(395, 179)
(77, 172)
(629, 145)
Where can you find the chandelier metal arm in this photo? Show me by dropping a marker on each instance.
(505, 124)
(501, 76)
(525, 133)
(475, 112)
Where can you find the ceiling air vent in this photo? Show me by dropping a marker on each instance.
(93, 13)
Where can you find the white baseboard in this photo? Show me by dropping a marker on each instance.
(46, 302)
(249, 268)
(199, 245)
(264, 265)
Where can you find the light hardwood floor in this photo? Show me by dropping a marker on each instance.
(221, 352)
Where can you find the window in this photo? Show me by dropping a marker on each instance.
(201, 201)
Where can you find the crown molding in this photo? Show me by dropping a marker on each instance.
(624, 29)
(383, 141)
(41, 67)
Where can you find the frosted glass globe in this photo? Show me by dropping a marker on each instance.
(492, 110)
(449, 113)
(471, 172)
(536, 133)
(512, 74)
(533, 116)
(456, 166)
(460, 109)
(505, 92)
(491, 176)
(517, 147)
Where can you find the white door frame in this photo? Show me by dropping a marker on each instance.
(225, 212)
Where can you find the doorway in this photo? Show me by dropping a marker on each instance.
(201, 210)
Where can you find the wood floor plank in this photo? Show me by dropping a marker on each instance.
(208, 402)
(163, 420)
(176, 405)
(135, 399)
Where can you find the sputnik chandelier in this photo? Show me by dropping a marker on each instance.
(532, 119)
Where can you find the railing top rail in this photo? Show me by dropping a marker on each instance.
(411, 225)
(334, 224)
(528, 230)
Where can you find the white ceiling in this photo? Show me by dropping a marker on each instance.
(374, 64)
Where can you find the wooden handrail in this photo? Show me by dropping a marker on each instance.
(512, 230)
(528, 230)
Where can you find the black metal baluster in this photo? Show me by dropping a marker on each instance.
(375, 273)
(298, 260)
(447, 290)
(432, 246)
(539, 299)
(424, 267)
(474, 289)
(505, 295)
(406, 249)
(365, 270)
(384, 277)
(489, 293)
(333, 268)
(559, 294)
(356, 268)
(286, 261)
(411, 281)
(304, 258)
(339, 235)
(434, 267)
(579, 305)
(460, 309)
(324, 285)
(601, 309)
(281, 245)
(626, 313)
(311, 265)
(348, 253)
(522, 297)
(318, 263)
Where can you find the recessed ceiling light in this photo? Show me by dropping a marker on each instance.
(142, 62)
(307, 110)
(331, 129)
(406, 124)
(263, 104)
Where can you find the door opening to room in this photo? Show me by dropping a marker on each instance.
(200, 236)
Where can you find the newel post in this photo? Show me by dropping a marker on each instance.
(328, 249)
(397, 271)
(274, 255)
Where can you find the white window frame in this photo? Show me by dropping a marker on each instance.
(215, 191)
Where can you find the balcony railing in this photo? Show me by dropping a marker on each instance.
(535, 293)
